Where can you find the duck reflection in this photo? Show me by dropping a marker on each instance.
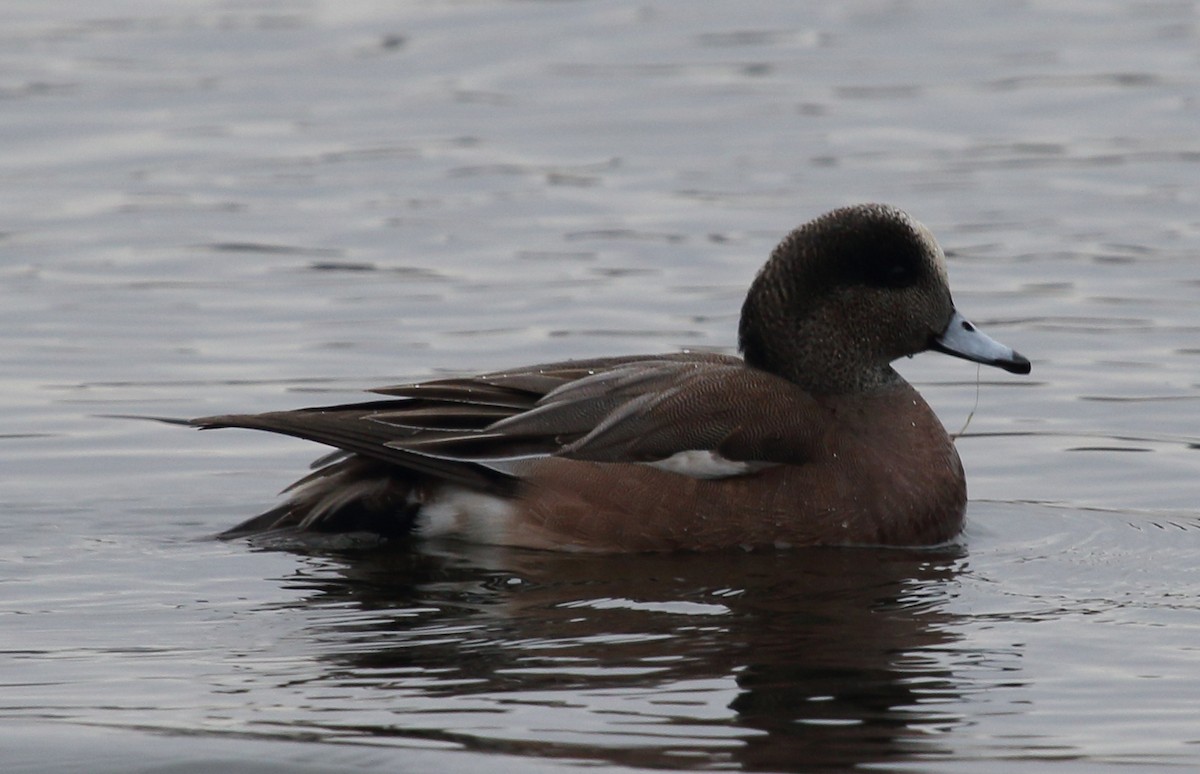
(760, 661)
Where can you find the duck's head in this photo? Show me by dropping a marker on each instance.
(844, 295)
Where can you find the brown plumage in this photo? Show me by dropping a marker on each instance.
(812, 438)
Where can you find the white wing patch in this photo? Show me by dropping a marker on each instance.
(704, 463)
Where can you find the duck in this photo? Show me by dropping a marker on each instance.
(808, 436)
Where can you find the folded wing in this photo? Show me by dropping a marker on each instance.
(632, 410)
(701, 415)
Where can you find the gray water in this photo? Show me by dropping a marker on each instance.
(215, 206)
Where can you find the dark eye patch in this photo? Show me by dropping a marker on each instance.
(867, 246)
(891, 260)
(899, 273)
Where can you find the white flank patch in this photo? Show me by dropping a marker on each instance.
(461, 513)
(698, 463)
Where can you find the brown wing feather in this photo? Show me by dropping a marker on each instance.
(353, 431)
(696, 413)
(638, 409)
(643, 412)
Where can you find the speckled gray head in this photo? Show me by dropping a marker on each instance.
(844, 295)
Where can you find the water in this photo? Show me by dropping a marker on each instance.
(214, 206)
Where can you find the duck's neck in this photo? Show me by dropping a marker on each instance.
(832, 376)
(823, 362)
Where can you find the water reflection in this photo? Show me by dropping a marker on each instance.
(759, 661)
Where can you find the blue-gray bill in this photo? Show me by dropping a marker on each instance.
(962, 339)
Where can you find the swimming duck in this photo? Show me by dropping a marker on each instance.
(809, 438)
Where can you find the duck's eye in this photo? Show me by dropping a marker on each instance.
(892, 272)
(902, 274)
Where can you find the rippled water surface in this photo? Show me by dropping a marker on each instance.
(225, 205)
